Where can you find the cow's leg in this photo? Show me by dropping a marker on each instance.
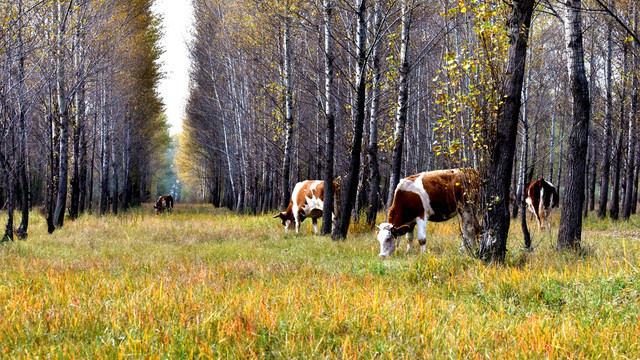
(315, 225)
(410, 240)
(422, 233)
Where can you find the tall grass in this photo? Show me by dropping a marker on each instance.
(208, 283)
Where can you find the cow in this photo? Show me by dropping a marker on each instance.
(164, 202)
(542, 196)
(306, 202)
(431, 196)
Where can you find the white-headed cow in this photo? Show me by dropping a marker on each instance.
(307, 201)
(431, 196)
(542, 196)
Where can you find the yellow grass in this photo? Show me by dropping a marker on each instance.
(211, 284)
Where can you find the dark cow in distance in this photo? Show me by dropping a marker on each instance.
(307, 201)
(164, 202)
(542, 196)
(431, 196)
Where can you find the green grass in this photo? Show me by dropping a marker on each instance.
(208, 283)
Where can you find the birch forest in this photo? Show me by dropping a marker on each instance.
(363, 93)
(369, 92)
(81, 126)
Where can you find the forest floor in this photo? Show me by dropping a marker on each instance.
(205, 282)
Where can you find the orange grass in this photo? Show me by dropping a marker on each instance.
(211, 284)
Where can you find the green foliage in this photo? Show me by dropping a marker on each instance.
(207, 283)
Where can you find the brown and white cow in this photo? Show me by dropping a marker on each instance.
(542, 196)
(306, 202)
(431, 196)
(164, 202)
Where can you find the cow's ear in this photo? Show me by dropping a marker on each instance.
(280, 215)
(401, 230)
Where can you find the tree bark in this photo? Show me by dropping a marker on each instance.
(522, 193)
(606, 142)
(614, 211)
(23, 147)
(401, 113)
(493, 246)
(372, 151)
(570, 230)
(632, 140)
(327, 210)
(288, 99)
(105, 152)
(344, 215)
(63, 114)
(6, 174)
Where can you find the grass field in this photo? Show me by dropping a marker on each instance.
(208, 283)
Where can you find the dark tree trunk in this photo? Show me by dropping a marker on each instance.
(63, 115)
(6, 175)
(344, 215)
(632, 140)
(327, 210)
(570, 230)
(493, 246)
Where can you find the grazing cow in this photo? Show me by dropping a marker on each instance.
(431, 196)
(164, 202)
(542, 196)
(306, 202)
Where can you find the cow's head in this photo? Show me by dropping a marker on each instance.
(286, 222)
(388, 236)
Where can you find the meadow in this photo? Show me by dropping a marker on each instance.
(208, 283)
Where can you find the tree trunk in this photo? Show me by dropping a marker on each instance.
(328, 210)
(115, 185)
(372, 151)
(63, 113)
(288, 99)
(570, 230)
(606, 142)
(106, 154)
(522, 193)
(633, 138)
(344, 215)
(614, 211)
(403, 96)
(6, 174)
(614, 206)
(23, 147)
(78, 128)
(493, 246)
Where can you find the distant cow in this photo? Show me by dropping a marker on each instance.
(431, 196)
(164, 202)
(542, 196)
(307, 201)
